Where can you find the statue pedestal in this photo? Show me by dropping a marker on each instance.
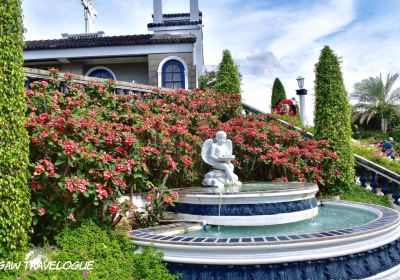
(218, 178)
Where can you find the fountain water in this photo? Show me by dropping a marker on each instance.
(219, 210)
(272, 231)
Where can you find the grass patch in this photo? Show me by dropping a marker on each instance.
(358, 194)
(295, 121)
(368, 153)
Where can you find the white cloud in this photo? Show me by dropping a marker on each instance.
(295, 40)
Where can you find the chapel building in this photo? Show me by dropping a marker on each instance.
(170, 56)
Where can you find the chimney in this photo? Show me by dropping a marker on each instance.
(194, 10)
(157, 11)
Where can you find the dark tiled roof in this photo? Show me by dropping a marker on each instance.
(108, 41)
(174, 23)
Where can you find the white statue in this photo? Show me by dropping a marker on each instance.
(90, 15)
(219, 156)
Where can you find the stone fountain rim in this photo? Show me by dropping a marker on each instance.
(305, 187)
(379, 232)
(350, 232)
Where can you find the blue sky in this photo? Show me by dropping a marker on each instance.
(268, 38)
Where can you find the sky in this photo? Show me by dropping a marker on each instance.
(267, 38)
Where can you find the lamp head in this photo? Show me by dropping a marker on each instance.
(300, 82)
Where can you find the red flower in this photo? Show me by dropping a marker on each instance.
(41, 211)
(174, 195)
(101, 192)
(69, 147)
(129, 141)
(76, 184)
(113, 209)
(39, 169)
(71, 216)
(186, 160)
(34, 185)
(107, 175)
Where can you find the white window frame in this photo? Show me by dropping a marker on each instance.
(101, 68)
(186, 72)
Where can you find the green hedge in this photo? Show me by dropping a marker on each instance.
(113, 256)
(15, 216)
(332, 116)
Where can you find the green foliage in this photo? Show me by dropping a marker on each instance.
(15, 216)
(374, 155)
(295, 121)
(278, 93)
(332, 116)
(228, 78)
(112, 253)
(358, 194)
(376, 100)
(207, 80)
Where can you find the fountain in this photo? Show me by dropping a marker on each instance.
(272, 230)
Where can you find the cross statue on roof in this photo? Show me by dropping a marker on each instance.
(90, 15)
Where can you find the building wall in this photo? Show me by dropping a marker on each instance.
(154, 62)
(197, 30)
(76, 68)
(126, 72)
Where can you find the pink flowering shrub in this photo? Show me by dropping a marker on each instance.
(90, 146)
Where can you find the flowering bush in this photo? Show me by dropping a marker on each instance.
(90, 146)
(267, 150)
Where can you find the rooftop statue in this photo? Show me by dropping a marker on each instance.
(90, 15)
(219, 155)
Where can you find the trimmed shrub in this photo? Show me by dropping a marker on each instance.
(278, 94)
(15, 218)
(332, 117)
(227, 77)
(113, 256)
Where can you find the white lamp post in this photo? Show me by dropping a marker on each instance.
(301, 92)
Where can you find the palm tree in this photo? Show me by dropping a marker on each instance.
(376, 99)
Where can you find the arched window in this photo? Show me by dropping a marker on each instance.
(101, 72)
(173, 74)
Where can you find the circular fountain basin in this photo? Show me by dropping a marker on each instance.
(252, 204)
(346, 241)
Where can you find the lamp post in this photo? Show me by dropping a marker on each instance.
(301, 92)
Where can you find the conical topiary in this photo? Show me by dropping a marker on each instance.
(227, 77)
(278, 93)
(332, 117)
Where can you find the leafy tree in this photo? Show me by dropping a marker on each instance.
(332, 117)
(227, 77)
(376, 99)
(278, 93)
(15, 216)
